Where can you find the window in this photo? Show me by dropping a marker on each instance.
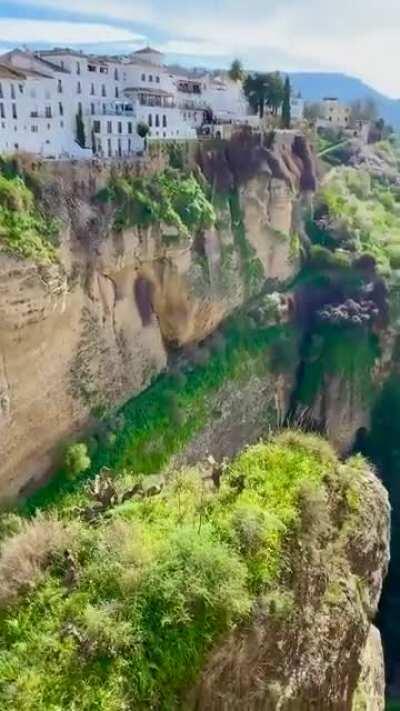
(14, 111)
(92, 109)
(143, 77)
(62, 124)
(103, 70)
(150, 121)
(78, 67)
(157, 80)
(129, 126)
(1, 90)
(103, 90)
(34, 129)
(2, 112)
(119, 148)
(119, 126)
(92, 89)
(116, 74)
(116, 92)
(92, 68)
(109, 147)
(109, 126)
(47, 111)
(79, 107)
(59, 86)
(129, 145)
(96, 127)
(79, 88)
(21, 88)
(164, 121)
(61, 109)
(157, 121)
(150, 77)
(104, 109)
(12, 91)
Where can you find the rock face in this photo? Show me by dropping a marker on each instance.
(92, 330)
(314, 646)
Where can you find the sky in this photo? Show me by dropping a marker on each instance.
(357, 37)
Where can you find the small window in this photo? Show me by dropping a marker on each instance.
(79, 107)
(103, 90)
(92, 89)
(119, 126)
(79, 88)
(109, 126)
(164, 121)
(59, 86)
(116, 74)
(14, 111)
(92, 68)
(96, 127)
(1, 90)
(157, 121)
(129, 145)
(2, 112)
(104, 109)
(150, 77)
(116, 92)
(21, 88)
(12, 91)
(157, 80)
(34, 129)
(78, 67)
(109, 147)
(143, 77)
(103, 70)
(92, 109)
(150, 121)
(47, 111)
(62, 124)
(129, 126)
(61, 109)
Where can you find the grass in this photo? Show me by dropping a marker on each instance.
(158, 583)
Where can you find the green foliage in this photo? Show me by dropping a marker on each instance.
(263, 90)
(236, 71)
(24, 232)
(286, 109)
(142, 129)
(364, 211)
(76, 459)
(169, 198)
(158, 583)
(349, 352)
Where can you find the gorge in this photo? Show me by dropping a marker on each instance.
(198, 322)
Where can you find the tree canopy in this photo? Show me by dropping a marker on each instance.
(236, 71)
(264, 89)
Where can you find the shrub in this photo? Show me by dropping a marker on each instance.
(76, 459)
(25, 555)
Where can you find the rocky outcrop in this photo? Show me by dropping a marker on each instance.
(93, 330)
(313, 646)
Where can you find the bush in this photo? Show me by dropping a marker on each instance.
(76, 459)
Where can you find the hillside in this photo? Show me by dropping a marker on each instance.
(314, 86)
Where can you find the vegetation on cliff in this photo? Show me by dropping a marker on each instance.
(24, 231)
(122, 614)
(170, 198)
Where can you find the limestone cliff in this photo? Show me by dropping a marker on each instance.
(95, 327)
(313, 647)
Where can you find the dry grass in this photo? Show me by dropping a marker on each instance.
(25, 555)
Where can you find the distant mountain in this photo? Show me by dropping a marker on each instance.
(314, 86)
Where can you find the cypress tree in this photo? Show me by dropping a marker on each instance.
(80, 129)
(286, 117)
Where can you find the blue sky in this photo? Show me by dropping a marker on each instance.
(359, 37)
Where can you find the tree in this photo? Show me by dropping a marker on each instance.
(77, 459)
(80, 129)
(143, 130)
(264, 90)
(236, 71)
(286, 111)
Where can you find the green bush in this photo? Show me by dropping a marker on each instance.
(76, 459)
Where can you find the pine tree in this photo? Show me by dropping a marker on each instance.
(286, 116)
(80, 129)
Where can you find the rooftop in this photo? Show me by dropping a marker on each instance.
(148, 50)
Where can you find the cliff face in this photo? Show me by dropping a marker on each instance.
(92, 330)
(313, 647)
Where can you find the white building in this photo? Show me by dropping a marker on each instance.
(46, 96)
(334, 113)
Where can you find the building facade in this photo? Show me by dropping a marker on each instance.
(62, 103)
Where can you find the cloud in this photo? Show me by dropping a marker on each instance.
(73, 33)
(355, 36)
